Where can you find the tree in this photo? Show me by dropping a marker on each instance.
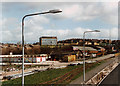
(17, 51)
(45, 50)
(67, 48)
(36, 50)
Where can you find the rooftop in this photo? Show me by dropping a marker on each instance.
(48, 37)
(81, 48)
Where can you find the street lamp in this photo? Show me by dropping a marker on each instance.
(84, 52)
(50, 11)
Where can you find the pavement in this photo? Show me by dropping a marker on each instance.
(94, 71)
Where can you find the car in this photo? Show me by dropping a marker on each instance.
(71, 64)
(36, 71)
(9, 77)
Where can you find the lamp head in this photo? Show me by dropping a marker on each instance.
(55, 11)
(96, 30)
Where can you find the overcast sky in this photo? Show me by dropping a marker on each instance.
(76, 18)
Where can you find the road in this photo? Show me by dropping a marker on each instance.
(113, 79)
(102, 57)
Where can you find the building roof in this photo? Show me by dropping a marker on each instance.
(81, 48)
(100, 47)
(10, 55)
(48, 37)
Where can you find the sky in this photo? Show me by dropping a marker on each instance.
(76, 17)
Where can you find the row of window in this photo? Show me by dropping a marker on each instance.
(28, 59)
(49, 41)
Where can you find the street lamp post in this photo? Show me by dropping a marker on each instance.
(50, 11)
(84, 53)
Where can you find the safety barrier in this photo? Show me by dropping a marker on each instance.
(97, 79)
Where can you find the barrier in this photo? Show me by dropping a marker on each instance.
(97, 79)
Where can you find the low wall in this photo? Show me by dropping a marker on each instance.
(99, 77)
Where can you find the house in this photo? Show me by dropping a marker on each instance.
(69, 58)
(88, 43)
(96, 43)
(28, 47)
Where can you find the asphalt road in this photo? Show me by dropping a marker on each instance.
(113, 79)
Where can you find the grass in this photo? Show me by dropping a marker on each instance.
(88, 68)
(49, 75)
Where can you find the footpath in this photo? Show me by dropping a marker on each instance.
(94, 71)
